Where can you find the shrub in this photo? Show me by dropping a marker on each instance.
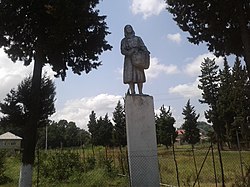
(60, 166)
(3, 178)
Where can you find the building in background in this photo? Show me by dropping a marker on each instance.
(9, 140)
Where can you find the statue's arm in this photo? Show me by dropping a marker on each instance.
(126, 51)
(142, 45)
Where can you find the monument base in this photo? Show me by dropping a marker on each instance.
(141, 139)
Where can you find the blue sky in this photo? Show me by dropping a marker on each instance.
(172, 78)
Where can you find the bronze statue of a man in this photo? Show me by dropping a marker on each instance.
(136, 59)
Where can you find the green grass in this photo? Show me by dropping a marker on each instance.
(186, 170)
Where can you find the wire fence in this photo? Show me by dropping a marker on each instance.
(100, 166)
(178, 166)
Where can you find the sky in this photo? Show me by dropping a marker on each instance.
(172, 77)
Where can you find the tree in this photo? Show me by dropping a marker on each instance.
(16, 107)
(225, 104)
(105, 131)
(62, 33)
(93, 127)
(209, 79)
(222, 24)
(192, 133)
(204, 126)
(240, 98)
(63, 134)
(119, 125)
(166, 132)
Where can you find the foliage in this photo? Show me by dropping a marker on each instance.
(67, 33)
(240, 94)
(166, 132)
(16, 107)
(119, 125)
(222, 24)
(90, 163)
(243, 181)
(101, 130)
(233, 101)
(225, 104)
(100, 177)
(192, 133)
(92, 126)
(226, 91)
(60, 165)
(3, 178)
(204, 126)
(105, 131)
(63, 134)
(209, 80)
(62, 33)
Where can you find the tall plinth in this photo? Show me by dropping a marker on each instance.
(141, 139)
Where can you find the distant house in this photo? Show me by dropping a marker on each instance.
(180, 135)
(10, 141)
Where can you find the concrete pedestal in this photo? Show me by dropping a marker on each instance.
(141, 139)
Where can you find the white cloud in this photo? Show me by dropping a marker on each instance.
(188, 90)
(11, 74)
(147, 7)
(174, 37)
(78, 110)
(156, 69)
(193, 69)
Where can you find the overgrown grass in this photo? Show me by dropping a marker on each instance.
(104, 170)
(186, 167)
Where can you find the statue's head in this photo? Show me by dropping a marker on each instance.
(128, 31)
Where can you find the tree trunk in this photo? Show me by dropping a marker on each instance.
(30, 131)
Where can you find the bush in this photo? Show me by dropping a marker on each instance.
(245, 181)
(90, 163)
(3, 178)
(60, 166)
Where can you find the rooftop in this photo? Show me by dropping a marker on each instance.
(9, 136)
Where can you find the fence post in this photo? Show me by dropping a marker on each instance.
(175, 161)
(239, 149)
(215, 175)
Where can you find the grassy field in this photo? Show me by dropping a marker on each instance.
(187, 170)
(111, 169)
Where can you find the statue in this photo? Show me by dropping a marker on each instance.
(136, 60)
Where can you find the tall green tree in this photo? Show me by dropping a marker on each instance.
(62, 33)
(166, 132)
(240, 99)
(16, 107)
(240, 92)
(192, 133)
(93, 127)
(119, 119)
(105, 131)
(210, 81)
(224, 102)
(223, 25)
